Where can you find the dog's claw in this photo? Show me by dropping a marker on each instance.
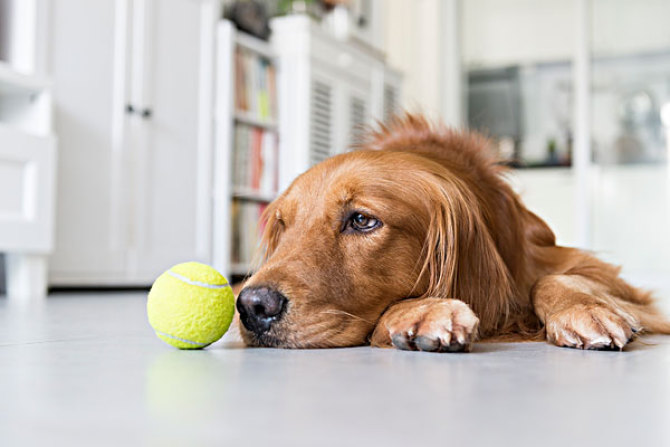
(427, 344)
(457, 347)
(401, 341)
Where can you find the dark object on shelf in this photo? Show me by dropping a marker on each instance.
(329, 5)
(495, 106)
(251, 17)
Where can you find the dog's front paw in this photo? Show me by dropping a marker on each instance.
(591, 326)
(428, 324)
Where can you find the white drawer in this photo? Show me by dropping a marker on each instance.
(27, 175)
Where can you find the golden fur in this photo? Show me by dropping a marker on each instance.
(457, 255)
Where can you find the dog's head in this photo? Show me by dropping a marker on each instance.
(361, 231)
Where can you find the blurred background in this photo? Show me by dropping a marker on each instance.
(136, 134)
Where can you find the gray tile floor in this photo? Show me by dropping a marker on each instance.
(87, 370)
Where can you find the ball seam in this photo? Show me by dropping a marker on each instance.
(197, 343)
(196, 283)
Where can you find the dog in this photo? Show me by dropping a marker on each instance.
(416, 241)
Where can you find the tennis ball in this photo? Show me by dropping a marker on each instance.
(190, 306)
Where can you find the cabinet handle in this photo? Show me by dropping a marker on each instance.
(144, 113)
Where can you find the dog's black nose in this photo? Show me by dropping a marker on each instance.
(259, 307)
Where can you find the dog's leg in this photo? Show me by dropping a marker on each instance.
(580, 312)
(427, 324)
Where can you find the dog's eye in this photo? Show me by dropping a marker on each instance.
(361, 222)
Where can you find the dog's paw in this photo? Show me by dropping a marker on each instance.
(431, 324)
(591, 326)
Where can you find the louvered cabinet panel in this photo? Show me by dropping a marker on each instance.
(321, 121)
(391, 95)
(390, 101)
(358, 118)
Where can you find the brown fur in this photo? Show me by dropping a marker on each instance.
(452, 228)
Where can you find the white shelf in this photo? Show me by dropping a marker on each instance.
(13, 82)
(254, 45)
(251, 120)
(253, 195)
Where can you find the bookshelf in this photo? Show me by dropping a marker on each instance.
(246, 146)
(251, 120)
(252, 195)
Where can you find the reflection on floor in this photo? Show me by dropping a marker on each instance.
(86, 369)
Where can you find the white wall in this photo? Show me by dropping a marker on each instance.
(626, 27)
(412, 45)
(505, 32)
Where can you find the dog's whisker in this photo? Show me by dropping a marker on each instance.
(342, 312)
(314, 335)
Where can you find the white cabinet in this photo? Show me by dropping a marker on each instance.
(133, 96)
(27, 170)
(26, 186)
(335, 86)
(27, 150)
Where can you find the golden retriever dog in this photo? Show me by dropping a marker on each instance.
(416, 241)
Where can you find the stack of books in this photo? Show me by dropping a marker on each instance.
(255, 160)
(255, 86)
(247, 229)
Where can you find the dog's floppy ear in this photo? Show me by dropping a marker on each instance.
(461, 260)
(271, 226)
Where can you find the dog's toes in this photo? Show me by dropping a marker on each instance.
(592, 327)
(438, 325)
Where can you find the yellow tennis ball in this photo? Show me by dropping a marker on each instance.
(190, 306)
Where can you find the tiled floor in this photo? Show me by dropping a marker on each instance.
(87, 370)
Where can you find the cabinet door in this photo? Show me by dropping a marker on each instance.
(172, 134)
(87, 49)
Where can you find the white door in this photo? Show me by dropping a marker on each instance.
(171, 133)
(87, 48)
